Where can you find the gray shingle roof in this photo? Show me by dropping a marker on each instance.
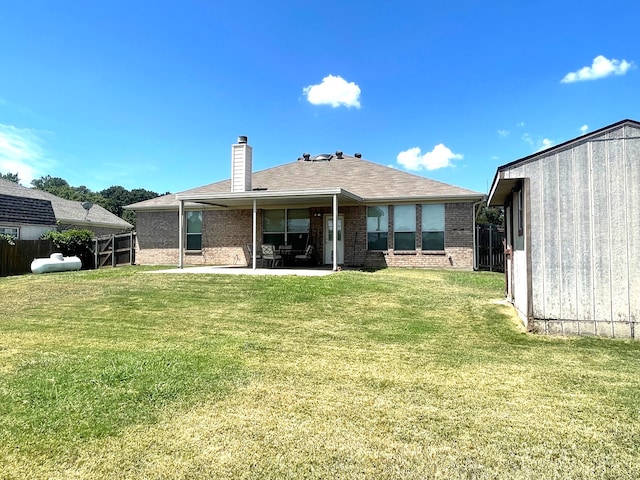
(67, 211)
(369, 181)
(26, 211)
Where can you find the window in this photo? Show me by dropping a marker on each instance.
(12, 231)
(290, 227)
(298, 227)
(404, 227)
(520, 213)
(377, 227)
(433, 226)
(194, 230)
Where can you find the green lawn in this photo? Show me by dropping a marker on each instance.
(394, 374)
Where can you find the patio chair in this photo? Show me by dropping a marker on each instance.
(306, 256)
(258, 255)
(269, 254)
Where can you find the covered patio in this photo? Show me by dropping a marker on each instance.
(258, 199)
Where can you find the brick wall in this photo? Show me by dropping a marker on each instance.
(226, 234)
(459, 225)
(458, 240)
(157, 238)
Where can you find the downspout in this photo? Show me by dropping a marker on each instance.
(335, 233)
(254, 228)
(181, 234)
(475, 234)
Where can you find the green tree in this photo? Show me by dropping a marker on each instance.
(490, 215)
(117, 197)
(12, 177)
(112, 199)
(61, 188)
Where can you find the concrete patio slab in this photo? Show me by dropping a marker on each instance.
(236, 270)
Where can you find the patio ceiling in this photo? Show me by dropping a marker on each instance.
(265, 198)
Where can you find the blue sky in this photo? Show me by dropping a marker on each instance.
(152, 94)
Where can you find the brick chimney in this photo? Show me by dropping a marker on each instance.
(241, 156)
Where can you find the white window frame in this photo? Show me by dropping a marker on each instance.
(13, 231)
(399, 228)
(194, 234)
(382, 228)
(425, 228)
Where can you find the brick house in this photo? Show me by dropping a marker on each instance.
(382, 216)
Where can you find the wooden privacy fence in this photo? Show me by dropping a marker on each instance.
(490, 248)
(114, 250)
(16, 259)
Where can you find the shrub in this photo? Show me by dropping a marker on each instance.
(10, 239)
(73, 242)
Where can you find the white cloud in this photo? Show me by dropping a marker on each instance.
(537, 143)
(439, 157)
(584, 128)
(600, 68)
(334, 91)
(503, 133)
(520, 124)
(546, 143)
(21, 152)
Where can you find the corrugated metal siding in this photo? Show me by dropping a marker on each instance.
(585, 232)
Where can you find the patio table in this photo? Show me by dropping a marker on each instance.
(287, 253)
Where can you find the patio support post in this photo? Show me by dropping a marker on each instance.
(181, 234)
(254, 228)
(335, 233)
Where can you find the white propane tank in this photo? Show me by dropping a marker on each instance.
(55, 263)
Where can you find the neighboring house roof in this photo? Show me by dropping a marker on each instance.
(68, 212)
(501, 187)
(26, 211)
(358, 180)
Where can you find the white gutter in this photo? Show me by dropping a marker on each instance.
(267, 194)
(425, 199)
